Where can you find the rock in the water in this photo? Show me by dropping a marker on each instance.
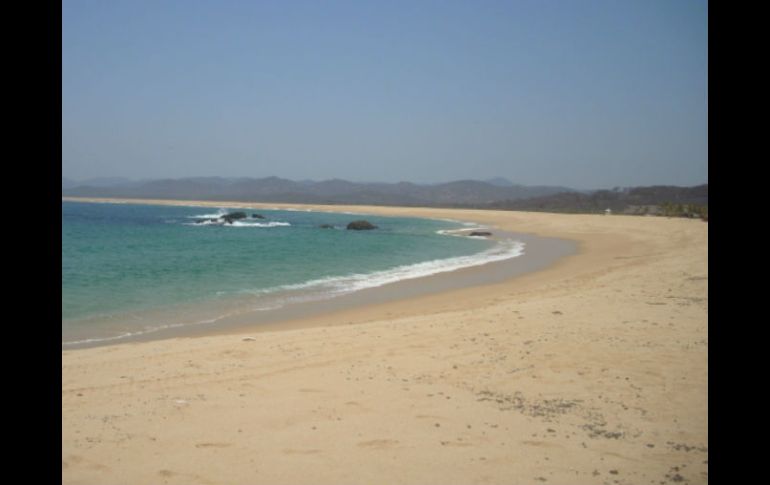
(480, 233)
(361, 225)
(257, 216)
(326, 226)
(233, 216)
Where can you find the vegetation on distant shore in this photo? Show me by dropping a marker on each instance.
(664, 201)
(669, 209)
(659, 200)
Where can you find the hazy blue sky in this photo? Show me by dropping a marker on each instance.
(587, 94)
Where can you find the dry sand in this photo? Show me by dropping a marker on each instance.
(592, 371)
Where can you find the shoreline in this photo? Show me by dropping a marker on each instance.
(236, 317)
(296, 314)
(589, 370)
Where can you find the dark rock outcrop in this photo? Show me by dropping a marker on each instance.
(361, 226)
(233, 216)
(480, 233)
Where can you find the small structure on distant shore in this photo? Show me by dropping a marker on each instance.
(607, 211)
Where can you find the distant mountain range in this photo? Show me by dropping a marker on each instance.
(499, 181)
(336, 191)
(497, 193)
(97, 182)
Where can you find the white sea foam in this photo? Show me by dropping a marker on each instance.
(219, 213)
(258, 224)
(238, 223)
(205, 223)
(462, 232)
(506, 249)
(103, 339)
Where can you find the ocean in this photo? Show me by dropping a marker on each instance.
(131, 269)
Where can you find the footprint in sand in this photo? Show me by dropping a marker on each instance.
(544, 444)
(213, 445)
(378, 444)
(290, 451)
(79, 460)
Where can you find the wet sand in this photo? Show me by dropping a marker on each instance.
(591, 370)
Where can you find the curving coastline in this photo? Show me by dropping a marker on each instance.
(592, 368)
(310, 298)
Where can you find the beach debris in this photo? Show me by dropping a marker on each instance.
(361, 225)
(249, 339)
(480, 233)
(181, 402)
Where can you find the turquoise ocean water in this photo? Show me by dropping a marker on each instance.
(129, 268)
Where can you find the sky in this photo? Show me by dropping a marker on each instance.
(579, 93)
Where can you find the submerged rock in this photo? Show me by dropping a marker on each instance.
(257, 216)
(361, 226)
(480, 233)
(326, 226)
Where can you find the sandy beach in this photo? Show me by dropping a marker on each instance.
(591, 371)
